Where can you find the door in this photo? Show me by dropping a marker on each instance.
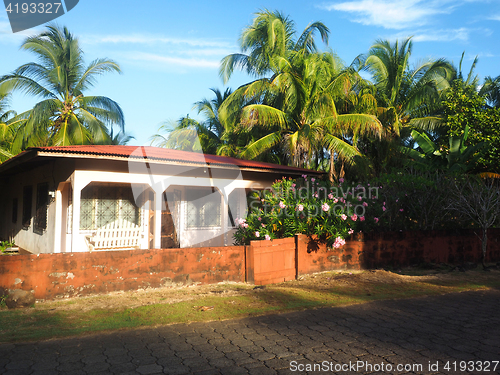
(170, 219)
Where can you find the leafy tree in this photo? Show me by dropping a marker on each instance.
(479, 201)
(465, 107)
(458, 158)
(65, 115)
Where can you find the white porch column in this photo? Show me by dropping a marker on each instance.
(78, 185)
(58, 219)
(158, 189)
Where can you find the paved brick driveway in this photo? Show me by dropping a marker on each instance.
(416, 332)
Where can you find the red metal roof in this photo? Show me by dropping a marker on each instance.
(164, 154)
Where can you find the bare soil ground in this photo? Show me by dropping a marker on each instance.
(354, 280)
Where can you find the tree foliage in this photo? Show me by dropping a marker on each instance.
(65, 115)
(464, 108)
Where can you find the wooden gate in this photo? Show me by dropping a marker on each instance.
(270, 262)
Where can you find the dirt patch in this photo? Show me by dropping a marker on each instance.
(318, 281)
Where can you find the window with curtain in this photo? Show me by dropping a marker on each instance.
(102, 204)
(203, 207)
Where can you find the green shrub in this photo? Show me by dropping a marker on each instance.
(307, 206)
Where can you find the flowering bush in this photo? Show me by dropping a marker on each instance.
(307, 206)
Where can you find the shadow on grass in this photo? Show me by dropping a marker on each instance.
(36, 324)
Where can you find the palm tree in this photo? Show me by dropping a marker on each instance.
(406, 97)
(191, 135)
(270, 35)
(7, 126)
(406, 94)
(491, 91)
(120, 138)
(295, 109)
(65, 115)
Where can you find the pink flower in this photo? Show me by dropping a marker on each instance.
(342, 200)
(325, 207)
(401, 210)
(313, 179)
(262, 225)
(257, 234)
(339, 241)
(330, 196)
(260, 219)
(351, 231)
(341, 180)
(383, 208)
(361, 218)
(365, 204)
(293, 185)
(282, 205)
(300, 207)
(267, 237)
(376, 219)
(383, 203)
(335, 200)
(359, 198)
(343, 217)
(315, 195)
(354, 217)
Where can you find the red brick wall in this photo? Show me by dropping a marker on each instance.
(397, 249)
(263, 262)
(67, 275)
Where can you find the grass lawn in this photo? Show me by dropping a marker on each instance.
(228, 301)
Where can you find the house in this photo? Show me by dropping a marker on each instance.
(81, 198)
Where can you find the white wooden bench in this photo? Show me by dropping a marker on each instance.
(120, 234)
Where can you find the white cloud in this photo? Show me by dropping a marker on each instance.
(172, 60)
(153, 39)
(443, 35)
(495, 17)
(164, 51)
(462, 34)
(393, 14)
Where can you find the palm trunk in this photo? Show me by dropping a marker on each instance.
(331, 172)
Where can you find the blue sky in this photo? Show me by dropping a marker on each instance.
(169, 51)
